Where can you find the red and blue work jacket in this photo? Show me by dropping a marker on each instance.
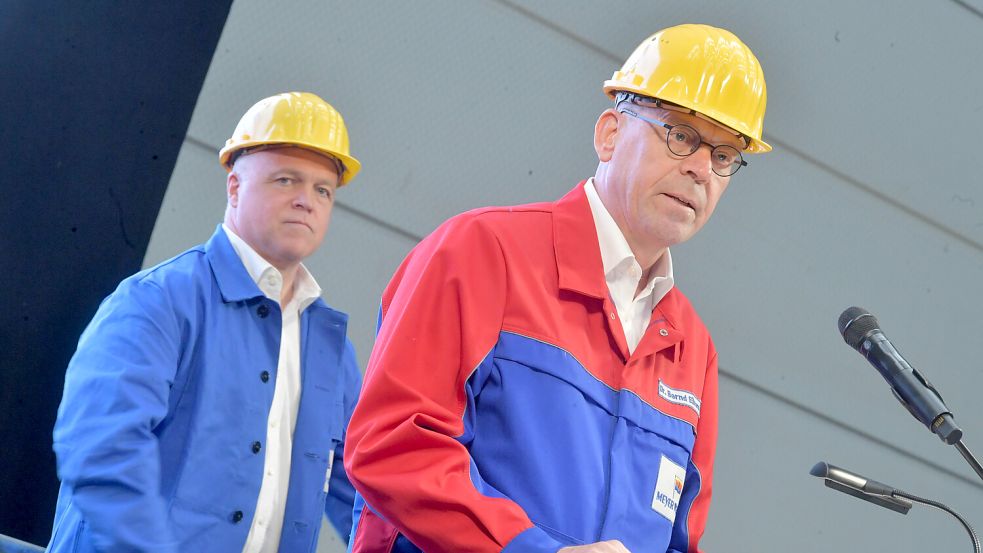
(502, 411)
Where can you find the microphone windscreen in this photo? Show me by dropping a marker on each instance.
(820, 469)
(854, 324)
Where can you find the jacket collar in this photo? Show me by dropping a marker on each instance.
(578, 254)
(233, 279)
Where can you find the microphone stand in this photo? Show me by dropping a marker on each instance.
(968, 455)
(945, 427)
(890, 498)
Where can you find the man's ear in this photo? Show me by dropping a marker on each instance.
(232, 184)
(606, 134)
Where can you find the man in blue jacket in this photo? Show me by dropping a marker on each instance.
(205, 408)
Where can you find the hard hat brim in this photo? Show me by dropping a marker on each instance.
(755, 145)
(352, 166)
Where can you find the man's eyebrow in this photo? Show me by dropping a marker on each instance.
(300, 175)
(287, 171)
(674, 118)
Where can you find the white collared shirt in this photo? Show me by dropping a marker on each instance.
(622, 273)
(264, 533)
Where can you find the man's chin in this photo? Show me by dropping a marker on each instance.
(670, 235)
(286, 258)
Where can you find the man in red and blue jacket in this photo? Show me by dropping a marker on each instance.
(538, 382)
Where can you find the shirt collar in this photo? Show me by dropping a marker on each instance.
(615, 251)
(268, 278)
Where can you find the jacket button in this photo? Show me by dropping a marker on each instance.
(257, 446)
(237, 516)
(264, 376)
(263, 311)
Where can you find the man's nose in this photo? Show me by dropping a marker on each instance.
(698, 164)
(302, 197)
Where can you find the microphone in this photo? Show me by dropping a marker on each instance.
(882, 494)
(862, 332)
(858, 486)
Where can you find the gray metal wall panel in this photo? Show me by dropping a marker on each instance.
(778, 263)
(766, 501)
(860, 86)
(450, 105)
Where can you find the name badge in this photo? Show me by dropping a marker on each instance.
(679, 397)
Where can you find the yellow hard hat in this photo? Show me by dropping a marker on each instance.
(705, 69)
(296, 118)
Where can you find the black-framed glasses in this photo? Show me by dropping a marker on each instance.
(684, 140)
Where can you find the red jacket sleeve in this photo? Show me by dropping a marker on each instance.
(441, 316)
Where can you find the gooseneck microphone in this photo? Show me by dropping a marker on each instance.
(853, 484)
(862, 332)
(881, 494)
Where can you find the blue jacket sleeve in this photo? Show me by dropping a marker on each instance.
(116, 392)
(341, 494)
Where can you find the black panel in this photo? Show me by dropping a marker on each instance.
(95, 100)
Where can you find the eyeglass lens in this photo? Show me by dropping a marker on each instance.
(683, 140)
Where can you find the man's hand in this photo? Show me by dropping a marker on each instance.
(610, 546)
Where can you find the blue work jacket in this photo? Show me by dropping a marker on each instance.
(161, 431)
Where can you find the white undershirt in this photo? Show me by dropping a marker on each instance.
(622, 273)
(264, 533)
